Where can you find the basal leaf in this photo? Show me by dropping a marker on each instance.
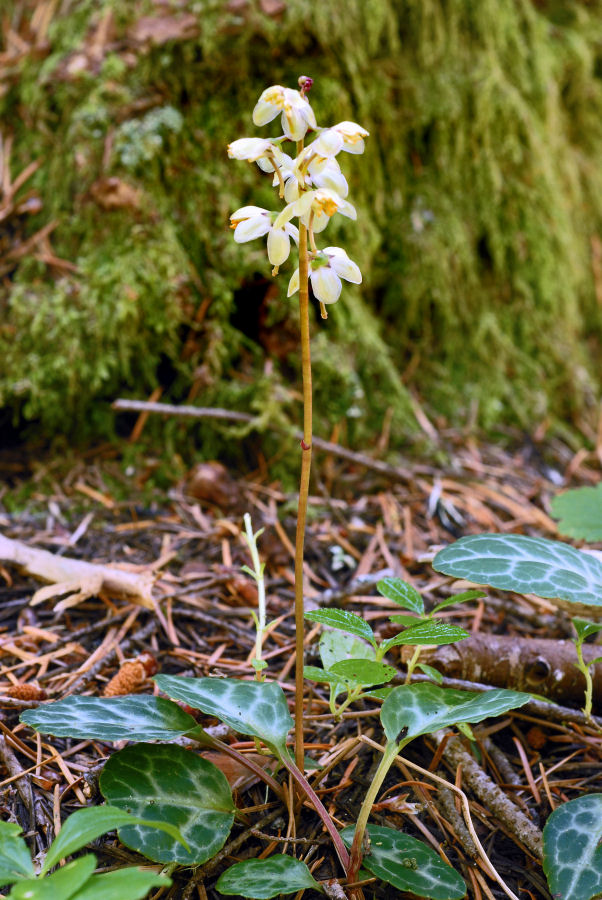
(464, 597)
(261, 879)
(363, 671)
(526, 565)
(401, 593)
(15, 859)
(580, 513)
(169, 784)
(423, 708)
(434, 631)
(139, 717)
(408, 864)
(85, 825)
(132, 884)
(250, 707)
(61, 885)
(572, 849)
(343, 620)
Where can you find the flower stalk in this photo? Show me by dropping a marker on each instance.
(306, 450)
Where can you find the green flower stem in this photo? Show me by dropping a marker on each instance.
(589, 684)
(303, 492)
(260, 619)
(412, 664)
(319, 808)
(387, 760)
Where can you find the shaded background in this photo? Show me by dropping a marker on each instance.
(479, 227)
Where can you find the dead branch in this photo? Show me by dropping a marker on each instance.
(487, 791)
(538, 665)
(75, 577)
(202, 412)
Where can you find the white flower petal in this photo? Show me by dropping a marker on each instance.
(279, 246)
(357, 147)
(347, 269)
(251, 228)
(291, 190)
(328, 144)
(250, 149)
(293, 285)
(326, 284)
(320, 222)
(268, 106)
(296, 208)
(333, 180)
(293, 232)
(245, 212)
(347, 209)
(353, 135)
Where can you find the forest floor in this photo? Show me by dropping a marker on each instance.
(361, 528)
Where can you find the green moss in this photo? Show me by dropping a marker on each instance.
(479, 201)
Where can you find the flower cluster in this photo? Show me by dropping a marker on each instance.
(311, 184)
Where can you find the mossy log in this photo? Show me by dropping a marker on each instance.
(479, 197)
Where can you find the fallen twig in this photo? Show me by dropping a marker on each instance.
(76, 577)
(203, 412)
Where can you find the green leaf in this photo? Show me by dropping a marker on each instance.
(572, 849)
(433, 632)
(314, 673)
(584, 628)
(526, 565)
(432, 673)
(85, 825)
(401, 593)
(265, 878)
(464, 597)
(343, 621)
(15, 860)
(363, 671)
(132, 884)
(407, 621)
(336, 646)
(134, 718)
(580, 513)
(250, 707)
(379, 693)
(408, 864)
(424, 708)
(172, 785)
(61, 885)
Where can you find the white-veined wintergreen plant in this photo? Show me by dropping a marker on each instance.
(160, 781)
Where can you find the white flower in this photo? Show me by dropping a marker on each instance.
(251, 222)
(322, 202)
(251, 149)
(326, 271)
(297, 114)
(353, 136)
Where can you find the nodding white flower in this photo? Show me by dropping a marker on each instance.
(323, 201)
(251, 149)
(250, 222)
(297, 114)
(353, 136)
(326, 271)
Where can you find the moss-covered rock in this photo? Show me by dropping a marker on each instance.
(479, 201)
